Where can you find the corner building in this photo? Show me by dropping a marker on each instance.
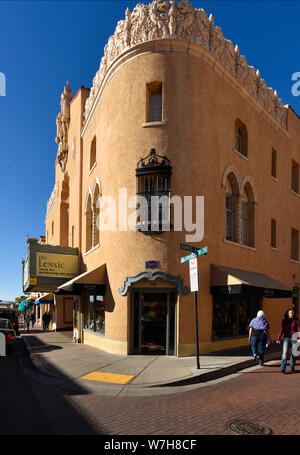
(175, 110)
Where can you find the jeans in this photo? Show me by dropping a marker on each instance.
(288, 343)
(260, 342)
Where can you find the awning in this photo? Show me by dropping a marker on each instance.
(25, 305)
(228, 280)
(91, 281)
(47, 298)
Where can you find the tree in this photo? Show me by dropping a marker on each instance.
(20, 299)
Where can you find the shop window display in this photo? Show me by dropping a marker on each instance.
(94, 314)
(232, 315)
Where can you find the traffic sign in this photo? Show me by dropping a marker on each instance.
(194, 275)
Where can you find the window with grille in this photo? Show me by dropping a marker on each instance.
(229, 202)
(153, 190)
(247, 217)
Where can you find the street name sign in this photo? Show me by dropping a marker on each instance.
(194, 254)
(187, 258)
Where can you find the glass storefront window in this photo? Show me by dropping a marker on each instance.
(94, 314)
(232, 315)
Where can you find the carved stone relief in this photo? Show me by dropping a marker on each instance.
(62, 125)
(164, 19)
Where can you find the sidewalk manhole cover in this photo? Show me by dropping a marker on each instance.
(247, 427)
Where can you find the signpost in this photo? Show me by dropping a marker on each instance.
(193, 267)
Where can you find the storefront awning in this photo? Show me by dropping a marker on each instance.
(91, 281)
(25, 305)
(47, 298)
(228, 280)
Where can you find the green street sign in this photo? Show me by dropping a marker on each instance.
(202, 251)
(187, 258)
(183, 246)
(195, 252)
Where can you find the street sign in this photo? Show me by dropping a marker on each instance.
(183, 246)
(194, 275)
(187, 258)
(196, 253)
(202, 251)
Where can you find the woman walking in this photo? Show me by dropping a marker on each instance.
(27, 322)
(258, 336)
(289, 327)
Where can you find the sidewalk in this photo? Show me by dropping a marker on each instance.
(57, 357)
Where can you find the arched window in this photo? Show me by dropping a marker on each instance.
(93, 153)
(96, 214)
(231, 204)
(241, 138)
(247, 216)
(89, 224)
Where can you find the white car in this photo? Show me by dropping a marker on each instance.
(7, 328)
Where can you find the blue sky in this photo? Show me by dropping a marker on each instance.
(46, 43)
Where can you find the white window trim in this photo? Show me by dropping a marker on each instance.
(240, 154)
(151, 124)
(92, 249)
(92, 168)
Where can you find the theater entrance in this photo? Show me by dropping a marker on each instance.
(153, 321)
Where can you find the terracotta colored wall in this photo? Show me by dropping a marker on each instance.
(200, 109)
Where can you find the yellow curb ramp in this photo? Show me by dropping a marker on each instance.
(108, 377)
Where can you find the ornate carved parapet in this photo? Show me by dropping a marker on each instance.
(62, 126)
(163, 19)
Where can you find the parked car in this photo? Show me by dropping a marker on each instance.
(7, 328)
(11, 314)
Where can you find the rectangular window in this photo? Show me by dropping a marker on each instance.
(295, 177)
(274, 164)
(273, 234)
(294, 245)
(72, 239)
(154, 102)
(232, 315)
(94, 314)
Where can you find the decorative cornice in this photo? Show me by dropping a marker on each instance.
(180, 21)
(62, 126)
(151, 276)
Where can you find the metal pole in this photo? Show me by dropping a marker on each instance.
(197, 335)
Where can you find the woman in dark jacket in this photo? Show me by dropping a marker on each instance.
(290, 329)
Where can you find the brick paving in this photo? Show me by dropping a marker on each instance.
(262, 395)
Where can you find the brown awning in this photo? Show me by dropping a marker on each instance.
(92, 280)
(231, 280)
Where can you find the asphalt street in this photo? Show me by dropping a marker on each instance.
(34, 403)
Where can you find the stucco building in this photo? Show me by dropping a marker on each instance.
(175, 110)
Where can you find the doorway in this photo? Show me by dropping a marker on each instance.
(153, 321)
